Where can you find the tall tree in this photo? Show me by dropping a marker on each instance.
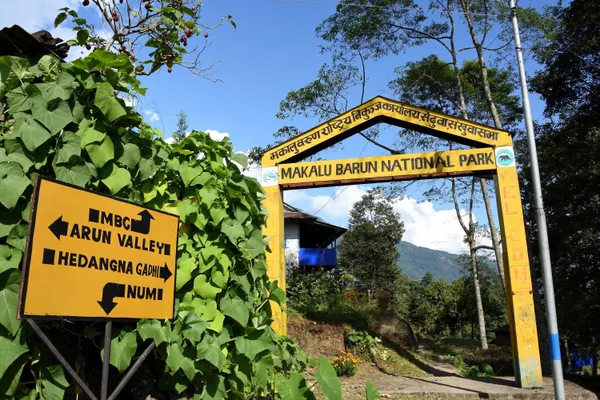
(368, 249)
(182, 126)
(568, 148)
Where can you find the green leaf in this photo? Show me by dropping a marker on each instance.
(71, 146)
(131, 155)
(101, 153)
(185, 208)
(61, 89)
(241, 159)
(207, 196)
(210, 351)
(232, 229)
(149, 191)
(217, 214)
(49, 65)
(11, 189)
(194, 327)
(188, 173)
(263, 368)
(9, 258)
(185, 267)
(217, 323)
(31, 132)
(253, 344)
(328, 380)
(54, 116)
(294, 388)
(215, 388)
(277, 295)
(82, 36)
(54, 383)
(17, 236)
(237, 309)
(206, 308)
(371, 391)
(9, 352)
(174, 357)
(8, 219)
(13, 72)
(9, 294)
(9, 379)
(60, 18)
(219, 278)
(19, 99)
(115, 178)
(122, 350)
(76, 172)
(152, 329)
(205, 289)
(88, 134)
(487, 368)
(107, 103)
(147, 168)
(255, 245)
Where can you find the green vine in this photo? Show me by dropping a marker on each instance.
(69, 121)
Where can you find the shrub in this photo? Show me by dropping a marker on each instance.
(366, 345)
(67, 121)
(345, 364)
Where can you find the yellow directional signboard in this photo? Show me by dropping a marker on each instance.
(387, 168)
(91, 256)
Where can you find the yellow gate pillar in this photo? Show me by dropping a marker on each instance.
(521, 312)
(274, 231)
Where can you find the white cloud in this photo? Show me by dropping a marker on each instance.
(216, 135)
(153, 115)
(424, 224)
(33, 16)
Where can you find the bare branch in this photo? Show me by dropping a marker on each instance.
(392, 151)
(483, 247)
(457, 208)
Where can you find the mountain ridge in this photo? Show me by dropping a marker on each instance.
(415, 261)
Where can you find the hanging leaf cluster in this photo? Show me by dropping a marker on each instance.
(70, 122)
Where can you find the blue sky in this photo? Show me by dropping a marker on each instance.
(274, 50)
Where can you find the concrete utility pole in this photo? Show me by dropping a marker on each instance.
(559, 386)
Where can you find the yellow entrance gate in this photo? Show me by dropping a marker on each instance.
(492, 153)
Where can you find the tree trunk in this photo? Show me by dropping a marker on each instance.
(568, 357)
(484, 190)
(487, 91)
(480, 315)
(493, 232)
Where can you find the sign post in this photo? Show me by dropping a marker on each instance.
(95, 258)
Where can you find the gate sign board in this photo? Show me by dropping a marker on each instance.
(90, 256)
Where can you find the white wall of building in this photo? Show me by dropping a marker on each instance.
(292, 244)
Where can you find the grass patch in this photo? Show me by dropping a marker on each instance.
(394, 364)
(469, 352)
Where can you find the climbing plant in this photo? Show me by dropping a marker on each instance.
(69, 122)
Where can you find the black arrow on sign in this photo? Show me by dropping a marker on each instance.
(110, 291)
(165, 272)
(59, 227)
(142, 226)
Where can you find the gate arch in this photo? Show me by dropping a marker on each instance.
(491, 153)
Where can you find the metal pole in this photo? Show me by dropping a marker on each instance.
(559, 387)
(132, 371)
(61, 359)
(106, 362)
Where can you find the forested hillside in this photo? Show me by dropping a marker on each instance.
(415, 261)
